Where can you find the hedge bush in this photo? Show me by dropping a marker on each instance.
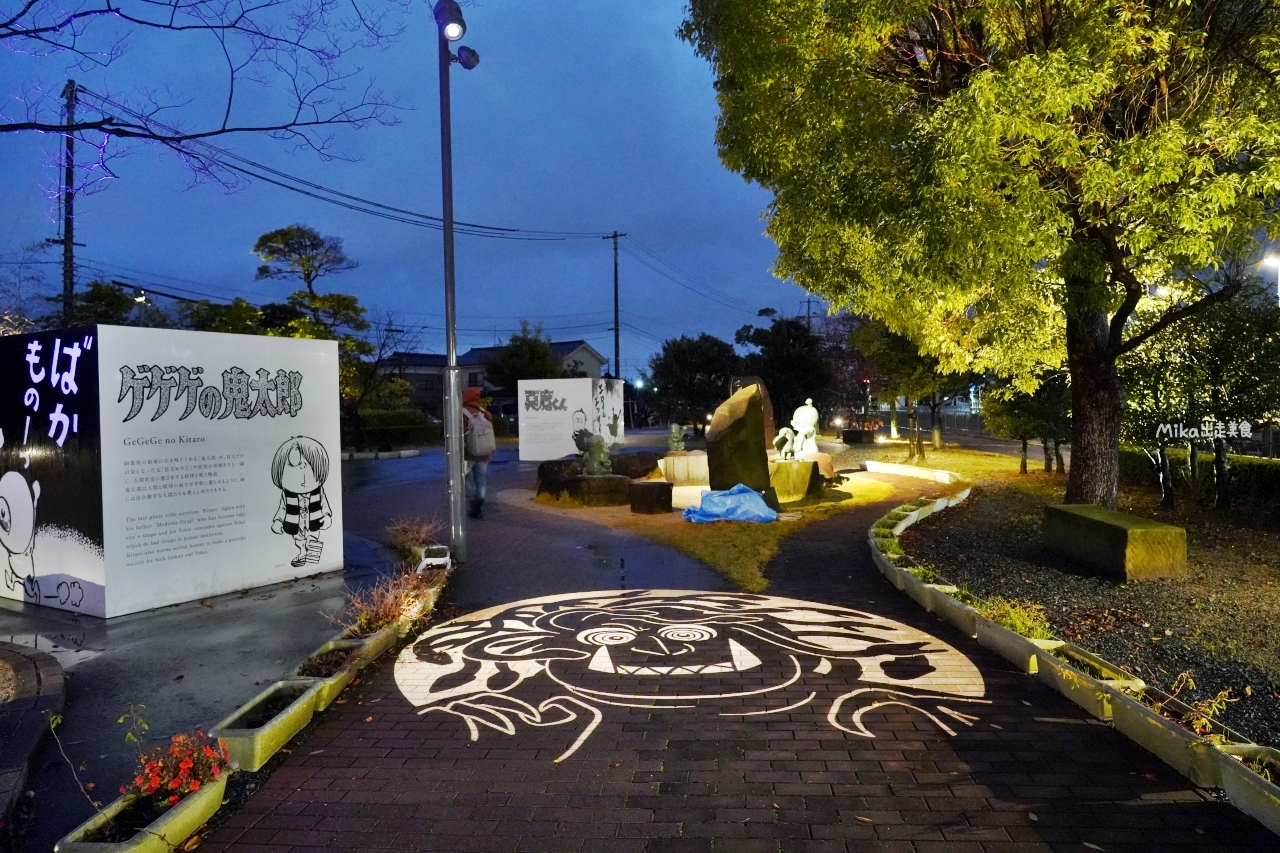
(1253, 478)
(391, 427)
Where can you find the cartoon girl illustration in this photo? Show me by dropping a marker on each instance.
(299, 470)
(18, 532)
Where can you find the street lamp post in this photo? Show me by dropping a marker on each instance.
(1274, 261)
(451, 27)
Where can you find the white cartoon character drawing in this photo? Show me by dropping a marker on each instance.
(18, 532)
(299, 470)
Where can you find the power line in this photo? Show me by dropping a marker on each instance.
(715, 292)
(206, 154)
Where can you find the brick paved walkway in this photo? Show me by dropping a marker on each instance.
(1026, 772)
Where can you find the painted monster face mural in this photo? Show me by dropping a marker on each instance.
(566, 658)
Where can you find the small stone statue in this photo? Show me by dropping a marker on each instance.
(785, 443)
(805, 423)
(595, 453)
(675, 439)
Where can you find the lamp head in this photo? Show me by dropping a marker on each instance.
(468, 58)
(449, 19)
(1271, 260)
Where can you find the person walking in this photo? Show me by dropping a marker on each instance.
(478, 445)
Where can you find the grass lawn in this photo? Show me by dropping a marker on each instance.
(738, 550)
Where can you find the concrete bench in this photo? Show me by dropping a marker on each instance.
(1117, 545)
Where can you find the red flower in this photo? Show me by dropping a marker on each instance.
(194, 786)
(173, 801)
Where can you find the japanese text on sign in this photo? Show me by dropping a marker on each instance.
(61, 373)
(544, 401)
(242, 395)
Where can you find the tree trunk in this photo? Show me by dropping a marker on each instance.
(935, 426)
(1022, 466)
(1057, 457)
(1221, 475)
(893, 418)
(1193, 469)
(1048, 455)
(911, 432)
(1095, 407)
(1167, 494)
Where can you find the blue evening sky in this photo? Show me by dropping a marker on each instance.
(582, 116)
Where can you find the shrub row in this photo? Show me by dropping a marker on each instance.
(390, 428)
(1253, 478)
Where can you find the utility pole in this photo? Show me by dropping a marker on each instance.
(808, 312)
(68, 208)
(617, 325)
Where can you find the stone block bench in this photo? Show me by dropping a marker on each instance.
(1115, 544)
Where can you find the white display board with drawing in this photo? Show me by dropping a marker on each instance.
(146, 467)
(552, 410)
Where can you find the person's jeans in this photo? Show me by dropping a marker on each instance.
(476, 480)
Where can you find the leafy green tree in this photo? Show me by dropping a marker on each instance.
(299, 252)
(1011, 413)
(908, 373)
(1222, 366)
(107, 303)
(238, 318)
(690, 377)
(1002, 183)
(790, 359)
(527, 355)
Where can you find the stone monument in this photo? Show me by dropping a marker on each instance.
(736, 383)
(736, 443)
(805, 422)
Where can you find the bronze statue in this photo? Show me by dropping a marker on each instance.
(595, 453)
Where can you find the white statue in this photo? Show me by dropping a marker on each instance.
(805, 423)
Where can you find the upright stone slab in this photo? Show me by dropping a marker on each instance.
(737, 383)
(1115, 544)
(736, 443)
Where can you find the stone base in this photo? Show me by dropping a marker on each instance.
(601, 490)
(858, 436)
(650, 497)
(826, 467)
(795, 479)
(686, 468)
(1117, 545)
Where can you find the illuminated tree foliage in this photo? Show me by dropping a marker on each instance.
(1003, 180)
(907, 372)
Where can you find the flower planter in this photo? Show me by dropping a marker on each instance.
(1013, 647)
(891, 572)
(1080, 687)
(330, 687)
(916, 589)
(958, 498)
(376, 643)
(961, 616)
(163, 835)
(250, 748)
(1181, 749)
(433, 557)
(1248, 791)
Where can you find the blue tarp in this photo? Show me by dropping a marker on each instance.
(737, 504)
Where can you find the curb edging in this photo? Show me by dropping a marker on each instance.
(1205, 763)
(41, 692)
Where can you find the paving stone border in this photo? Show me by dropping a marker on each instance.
(39, 690)
(1108, 697)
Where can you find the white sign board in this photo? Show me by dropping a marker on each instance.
(606, 398)
(550, 411)
(201, 464)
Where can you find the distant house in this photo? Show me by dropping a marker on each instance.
(425, 371)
